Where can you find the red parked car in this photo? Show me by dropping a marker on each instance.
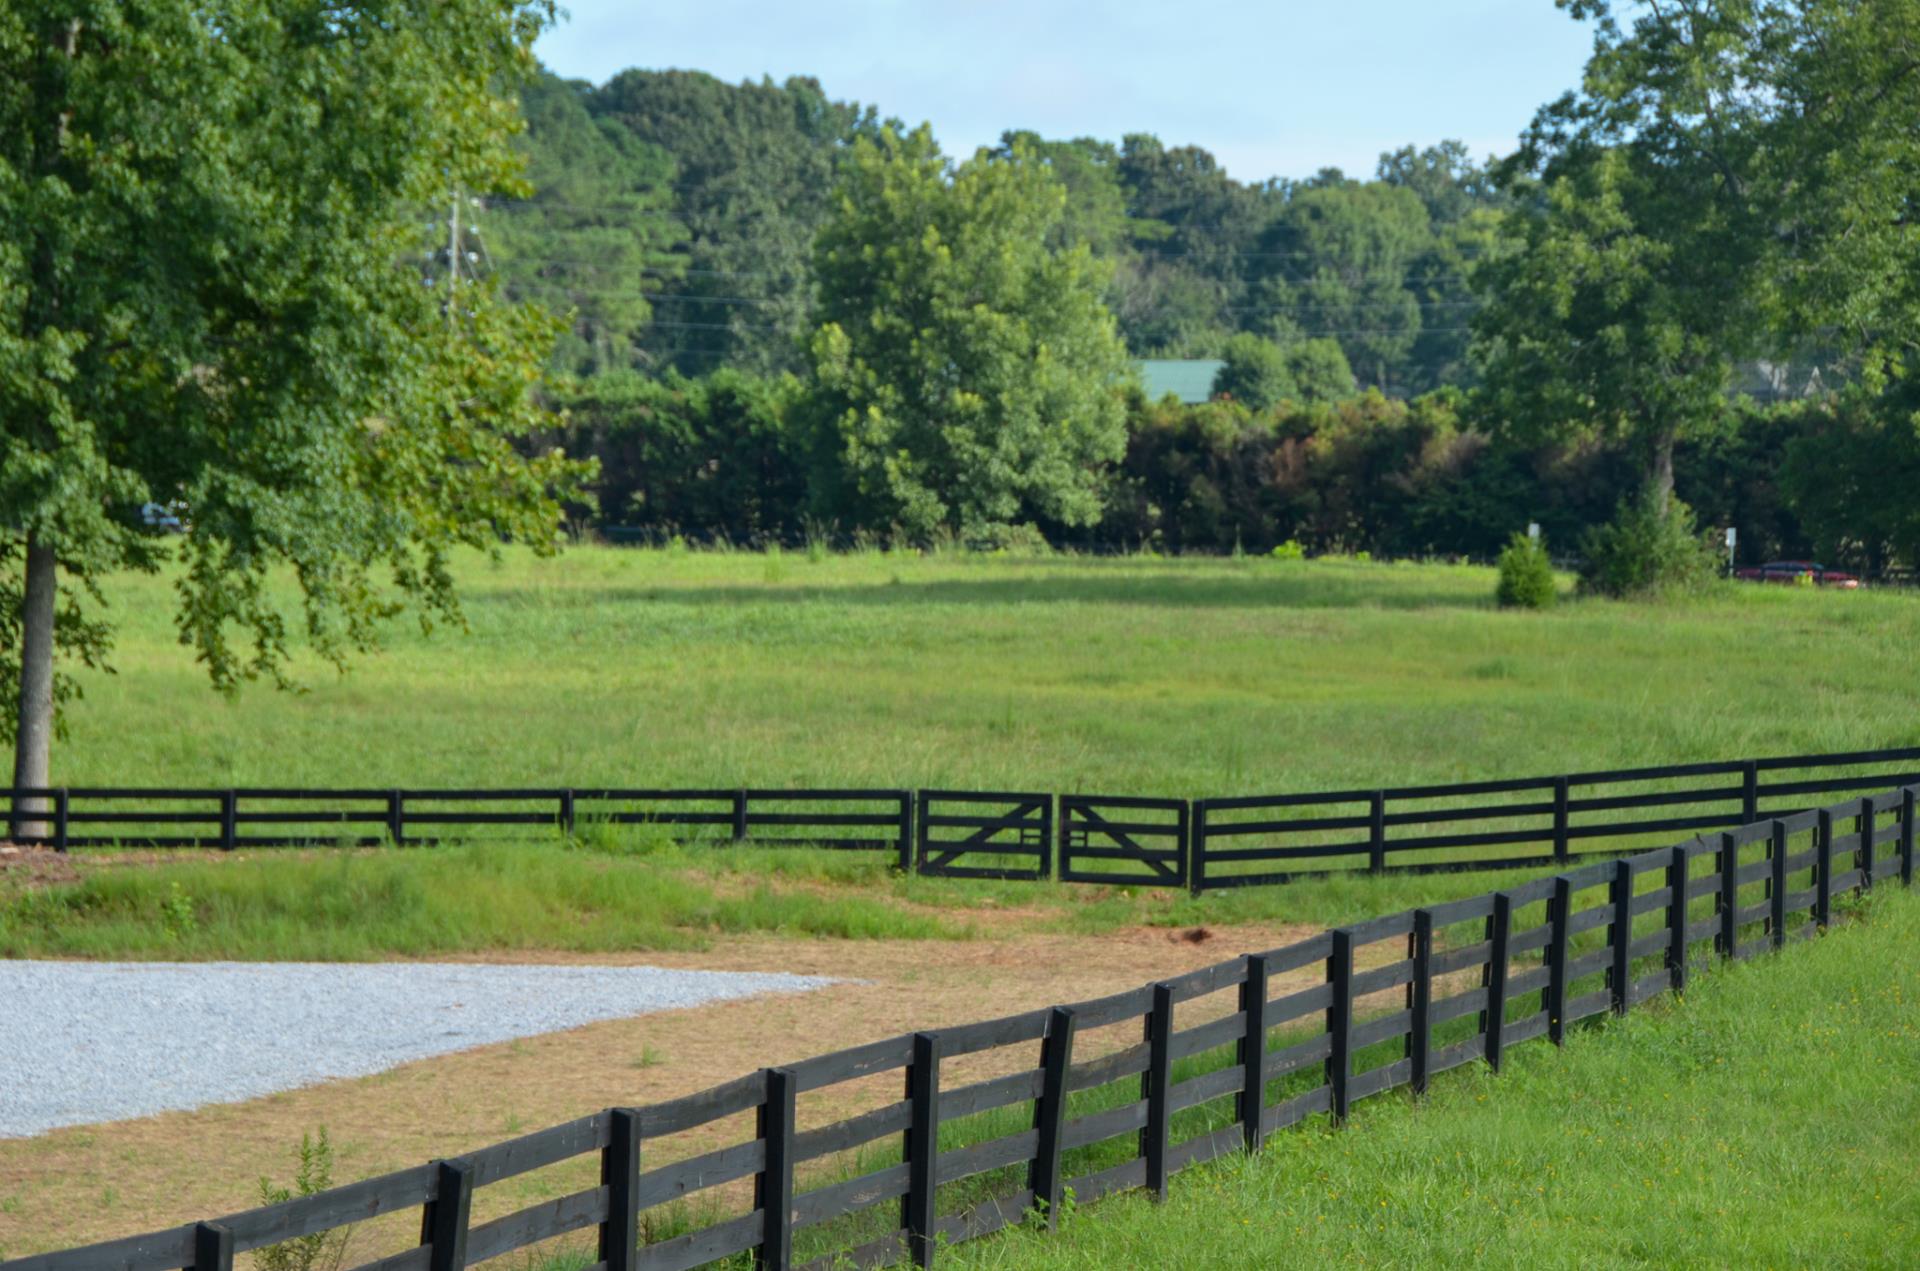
(1805, 572)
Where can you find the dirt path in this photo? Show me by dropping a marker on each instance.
(94, 1182)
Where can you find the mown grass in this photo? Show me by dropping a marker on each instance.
(1768, 1119)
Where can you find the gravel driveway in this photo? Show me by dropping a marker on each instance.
(101, 1041)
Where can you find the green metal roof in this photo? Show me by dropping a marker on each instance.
(1189, 379)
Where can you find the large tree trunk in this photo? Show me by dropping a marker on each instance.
(34, 735)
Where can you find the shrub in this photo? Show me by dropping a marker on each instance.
(321, 1250)
(1290, 550)
(1646, 552)
(1526, 575)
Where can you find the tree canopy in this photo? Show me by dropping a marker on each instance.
(966, 365)
(211, 298)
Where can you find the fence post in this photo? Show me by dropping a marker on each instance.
(923, 1148)
(1050, 1112)
(212, 1247)
(906, 831)
(1197, 849)
(773, 1187)
(1253, 1052)
(1559, 909)
(1047, 820)
(229, 820)
(1677, 920)
(1620, 935)
(1864, 827)
(566, 812)
(1157, 1079)
(60, 800)
(397, 817)
(1420, 1002)
(1907, 836)
(1493, 1019)
(739, 816)
(1340, 1021)
(1183, 843)
(1749, 792)
(1728, 901)
(445, 1221)
(620, 1174)
(1377, 832)
(1561, 845)
(1823, 868)
(1777, 900)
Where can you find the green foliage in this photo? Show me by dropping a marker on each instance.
(1526, 575)
(1289, 550)
(755, 165)
(210, 235)
(1647, 550)
(596, 235)
(1261, 374)
(966, 370)
(313, 1173)
(719, 455)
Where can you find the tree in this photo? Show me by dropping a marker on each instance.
(967, 370)
(1261, 374)
(1335, 266)
(210, 296)
(755, 172)
(596, 236)
(1733, 179)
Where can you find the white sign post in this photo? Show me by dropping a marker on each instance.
(1733, 537)
(1533, 530)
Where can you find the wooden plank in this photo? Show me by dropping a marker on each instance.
(742, 1094)
(850, 1195)
(698, 1248)
(1101, 1126)
(984, 1096)
(1297, 1056)
(992, 1154)
(1207, 1036)
(875, 1123)
(535, 1223)
(539, 1149)
(1297, 1109)
(1195, 1091)
(1098, 1072)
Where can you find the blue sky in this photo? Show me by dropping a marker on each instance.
(1280, 88)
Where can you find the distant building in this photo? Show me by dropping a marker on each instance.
(1189, 379)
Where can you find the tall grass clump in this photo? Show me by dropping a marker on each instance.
(1526, 575)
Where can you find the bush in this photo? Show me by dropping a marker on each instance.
(1526, 575)
(1290, 550)
(1645, 552)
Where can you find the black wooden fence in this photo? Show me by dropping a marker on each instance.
(1204, 1064)
(1203, 844)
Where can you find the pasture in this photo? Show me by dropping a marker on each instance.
(705, 668)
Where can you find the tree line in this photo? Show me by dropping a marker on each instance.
(1694, 274)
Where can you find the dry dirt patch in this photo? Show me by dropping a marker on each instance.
(95, 1182)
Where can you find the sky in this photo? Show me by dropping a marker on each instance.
(1280, 88)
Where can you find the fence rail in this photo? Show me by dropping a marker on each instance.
(1203, 844)
(1209, 1062)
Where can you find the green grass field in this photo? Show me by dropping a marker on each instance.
(1175, 677)
(1768, 1120)
(1118, 676)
